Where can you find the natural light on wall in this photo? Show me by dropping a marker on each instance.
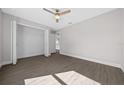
(69, 78)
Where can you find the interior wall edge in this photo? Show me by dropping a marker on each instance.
(94, 60)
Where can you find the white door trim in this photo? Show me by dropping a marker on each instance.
(13, 42)
(46, 43)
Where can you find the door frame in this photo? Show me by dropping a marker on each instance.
(13, 42)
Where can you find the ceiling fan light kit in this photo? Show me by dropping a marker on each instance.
(57, 13)
(57, 17)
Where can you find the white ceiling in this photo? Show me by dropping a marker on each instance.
(40, 16)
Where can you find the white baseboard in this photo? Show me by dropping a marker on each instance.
(122, 68)
(6, 63)
(93, 60)
(33, 55)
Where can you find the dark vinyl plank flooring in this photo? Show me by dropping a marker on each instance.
(41, 66)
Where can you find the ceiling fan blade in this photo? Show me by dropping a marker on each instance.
(55, 9)
(48, 11)
(65, 12)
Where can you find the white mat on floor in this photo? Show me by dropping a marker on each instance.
(44, 80)
(69, 78)
(74, 78)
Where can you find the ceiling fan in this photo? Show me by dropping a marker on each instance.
(57, 13)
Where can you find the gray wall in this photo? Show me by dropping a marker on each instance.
(0, 37)
(30, 42)
(122, 37)
(97, 39)
(6, 39)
